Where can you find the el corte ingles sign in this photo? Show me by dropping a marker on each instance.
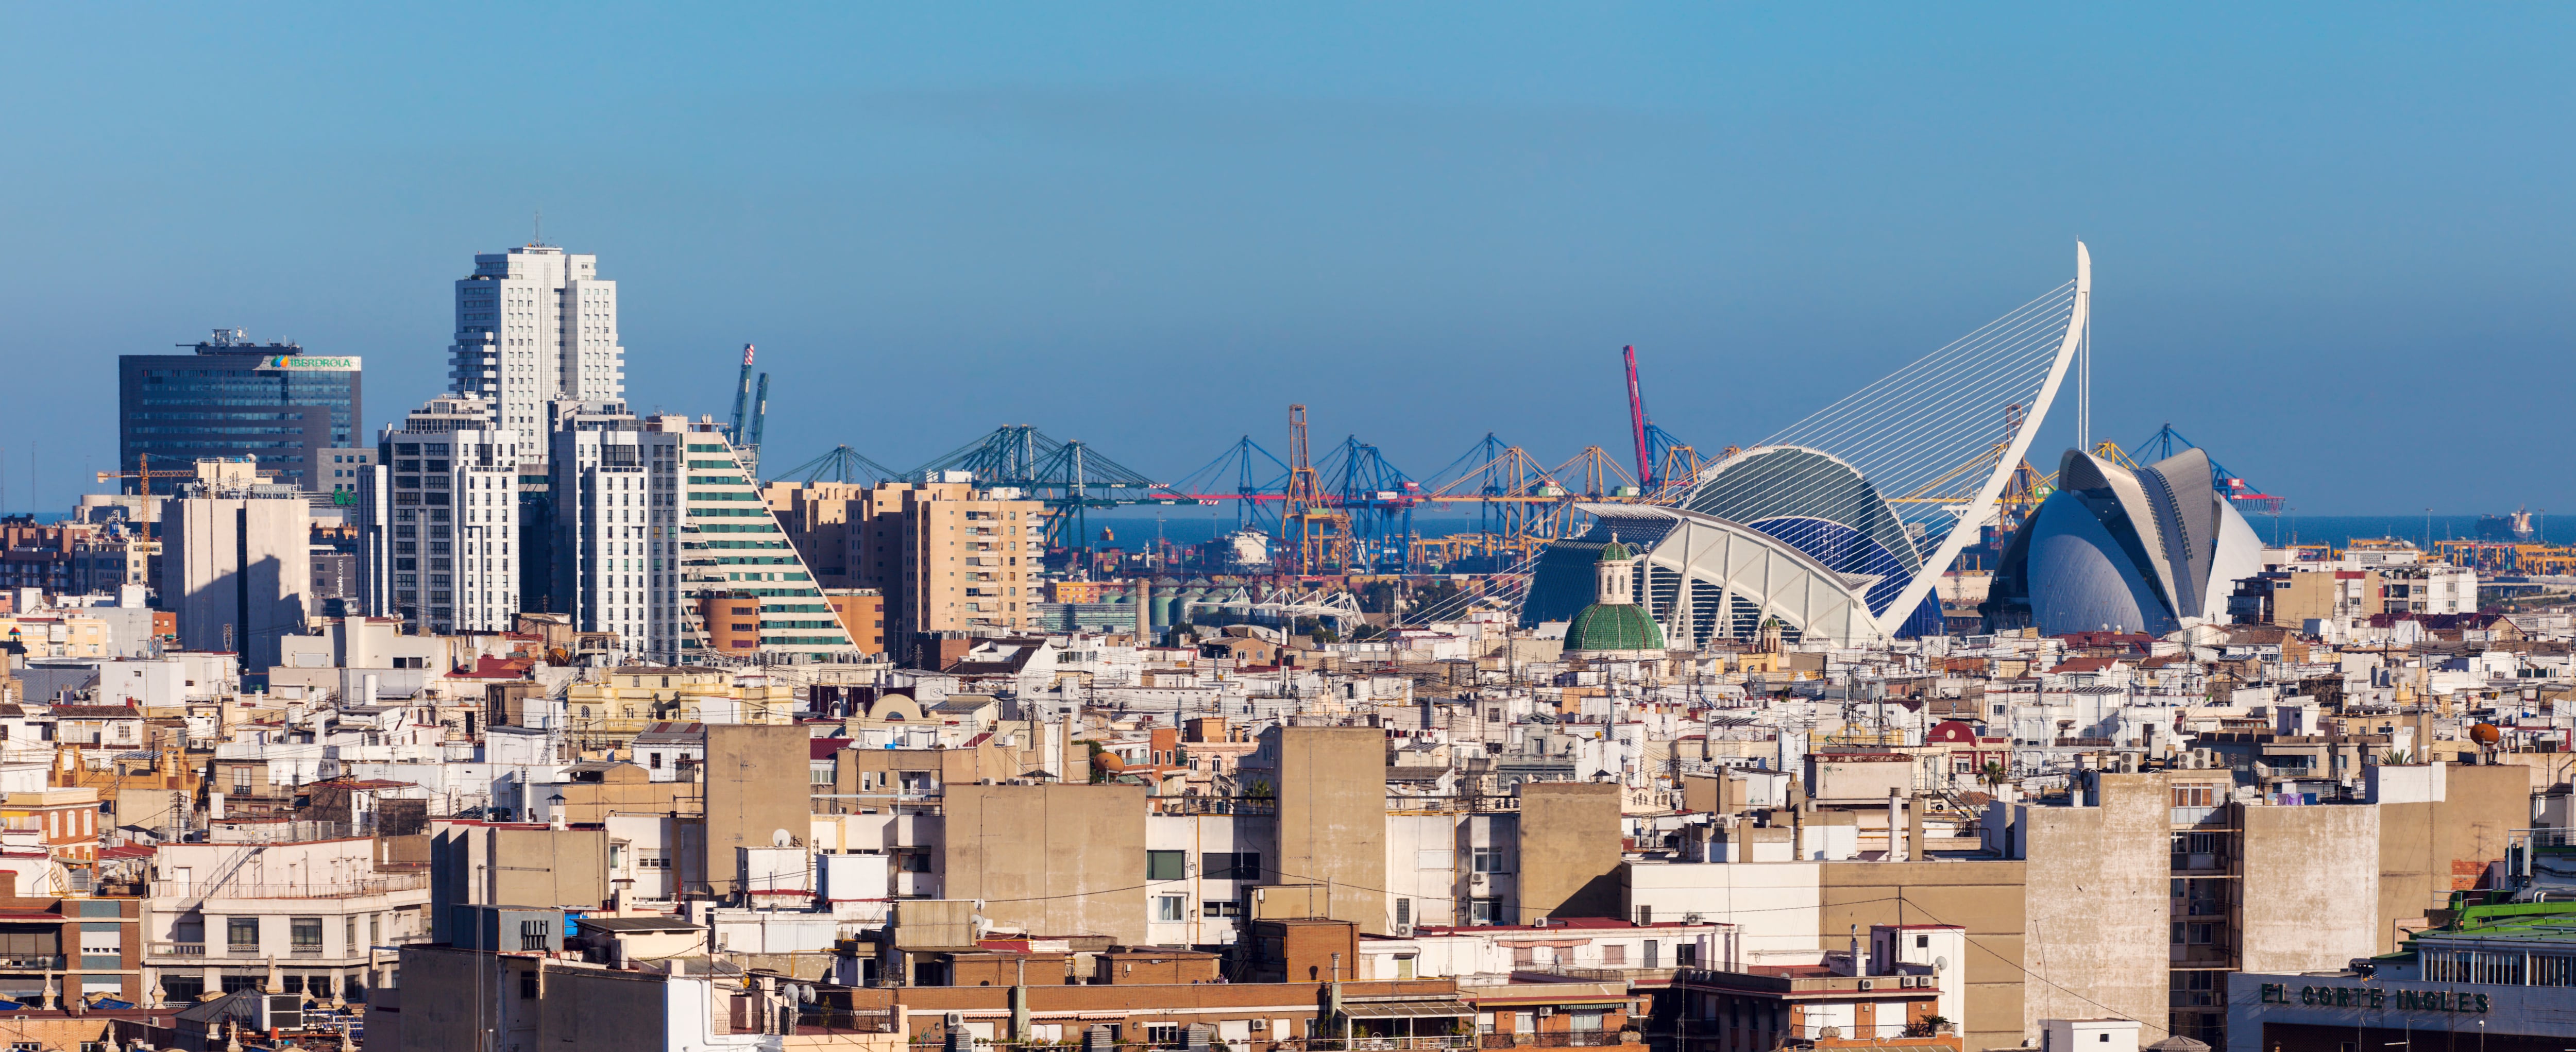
(2375, 998)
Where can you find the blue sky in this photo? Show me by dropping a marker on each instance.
(2330, 242)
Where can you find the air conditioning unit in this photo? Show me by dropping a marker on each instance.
(1478, 880)
(1404, 931)
(1867, 985)
(955, 1020)
(1545, 1011)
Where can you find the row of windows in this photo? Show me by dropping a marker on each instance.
(2499, 968)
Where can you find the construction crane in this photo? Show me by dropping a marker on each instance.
(1069, 477)
(741, 398)
(1637, 420)
(1667, 467)
(142, 473)
(746, 444)
(1374, 493)
(1257, 477)
(1318, 534)
(842, 464)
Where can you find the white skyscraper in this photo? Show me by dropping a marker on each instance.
(438, 520)
(536, 325)
(615, 489)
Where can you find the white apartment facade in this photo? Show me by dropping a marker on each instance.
(534, 325)
(616, 520)
(221, 915)
(438, 520)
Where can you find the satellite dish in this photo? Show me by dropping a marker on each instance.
(781, 838)
(1940, 964)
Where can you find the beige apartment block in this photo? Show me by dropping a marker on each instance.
(945, 556)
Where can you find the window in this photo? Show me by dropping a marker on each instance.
(1614, 954)
(527, 986)
(1487, 860)
(1162, 1033)
(242, 933)
(1685, 955)
(1168, 908)
(1166, 865)
(1220, 908)
(1484, 911)
(1524, 955)
(305, 934)
(533, 934)
(1235, 865)
(1403, 912)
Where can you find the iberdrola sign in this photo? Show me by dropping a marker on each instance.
(302, 362)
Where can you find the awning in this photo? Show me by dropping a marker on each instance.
(1449, 1009)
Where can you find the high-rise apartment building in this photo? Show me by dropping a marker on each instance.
(437, 520)
(658, 535)
(613, 502)
(235, 570)
(536, 325)
(233, 399)
(945, 556)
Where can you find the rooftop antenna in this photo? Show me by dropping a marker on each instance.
(537, 236)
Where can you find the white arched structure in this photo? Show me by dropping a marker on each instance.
(1842, 524)
(1706, 577)
(1981, 507)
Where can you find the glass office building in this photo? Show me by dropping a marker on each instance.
(233, 398)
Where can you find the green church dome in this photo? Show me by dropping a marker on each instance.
(1621, 626)
(1615, 551)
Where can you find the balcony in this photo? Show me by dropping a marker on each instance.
(178, 949)
(324, 889)
(1575, 1038)
(31, 964)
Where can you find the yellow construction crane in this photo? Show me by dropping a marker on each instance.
(144, 472)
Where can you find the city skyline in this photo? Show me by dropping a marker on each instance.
(2294, 252)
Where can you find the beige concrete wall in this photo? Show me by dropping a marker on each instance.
(1046, 858)
(2308, 872)
(564, 868)
(2097, 930)
(1332, 818)
(1986, 898)
(1700, 792)
(756, 785)
(1569, 850)
(2426, 850)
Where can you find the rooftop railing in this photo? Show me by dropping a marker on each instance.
(320, 889)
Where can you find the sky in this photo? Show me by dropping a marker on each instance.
(2330, 242)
